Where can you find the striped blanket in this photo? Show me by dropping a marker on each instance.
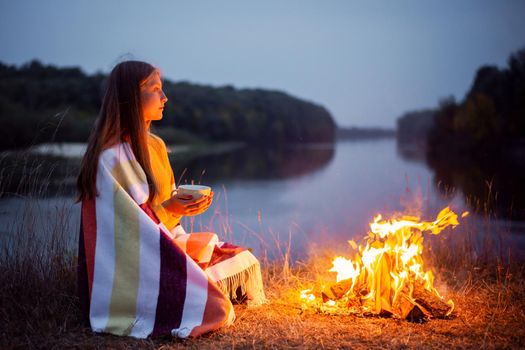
(137, 278)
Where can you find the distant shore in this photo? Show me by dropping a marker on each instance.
(360, 133)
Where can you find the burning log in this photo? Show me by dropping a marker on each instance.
(431, 302)
(337, 291)
(403, 307)
(329, 295)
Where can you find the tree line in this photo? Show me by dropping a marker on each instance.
(44, 103)
(488, 121)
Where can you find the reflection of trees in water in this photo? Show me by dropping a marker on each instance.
(253, 164)
(493, 185)
(413, 151)
(40, 175)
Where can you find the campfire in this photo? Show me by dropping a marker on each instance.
(386, 276)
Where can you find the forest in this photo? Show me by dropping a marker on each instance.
(44, 103)
(490, 120)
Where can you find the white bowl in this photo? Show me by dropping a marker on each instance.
(196, 191)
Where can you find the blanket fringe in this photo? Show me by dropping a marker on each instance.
(250, 283)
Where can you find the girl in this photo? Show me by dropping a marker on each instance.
(140, 274)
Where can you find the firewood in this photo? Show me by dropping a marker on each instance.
(354, 303)
(327, 294)
(382, 285)
(403, 306)
(341, 288)
(416, 315)
(436, 306)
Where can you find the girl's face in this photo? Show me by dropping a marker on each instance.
(152, 97)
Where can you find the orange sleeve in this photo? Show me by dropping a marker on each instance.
(165, 180)
(165, 216)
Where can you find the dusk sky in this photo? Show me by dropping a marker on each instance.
(367, 62)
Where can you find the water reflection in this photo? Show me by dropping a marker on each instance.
(307, 197)
(411, 151)
(52, 175)
(252, 164)
(493, 185)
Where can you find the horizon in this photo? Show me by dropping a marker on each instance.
(398, 58)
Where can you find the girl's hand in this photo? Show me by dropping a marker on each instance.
(185, 205)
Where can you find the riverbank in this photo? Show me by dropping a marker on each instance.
(42, 312)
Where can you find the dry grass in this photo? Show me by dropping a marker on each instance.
(40, 310)
(490, 315)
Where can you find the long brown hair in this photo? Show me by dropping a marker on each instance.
(120, 119)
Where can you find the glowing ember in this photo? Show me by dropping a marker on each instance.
(387, 275)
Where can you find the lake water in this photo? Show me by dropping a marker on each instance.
(310, 196)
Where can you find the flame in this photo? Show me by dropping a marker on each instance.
(345, 269)
(306, 294)
(384, 273)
